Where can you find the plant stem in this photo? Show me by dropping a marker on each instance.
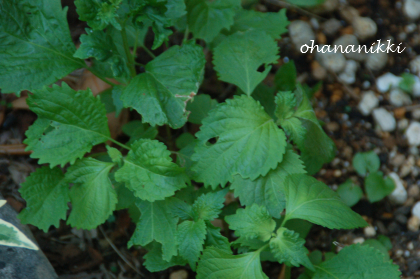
(130, 57)
(284, 221)
(262, 248)
(149, 52)
(187, 31)
(119, 143)
(288, 272)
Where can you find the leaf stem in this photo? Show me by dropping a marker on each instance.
(284, 221)
(119, 143)
(187, 31)
(130, 57)
(262, 248)
(149, 52)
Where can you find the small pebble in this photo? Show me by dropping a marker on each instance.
(416, 114)
(349, 13)
(301, 33)
(407, 167)
(384, 119)
(413, 224)
(413, 191)
(416, 209)
(401, 219)
(415, 65)
(413, 134)
(411, 9)
(369, 231)
(399, 98)
(387, 81)
(410, 245)
(350, 40)
(416, 86)
(364, 27)
(376, 61)
(397, 160)
(179, 274)
(331, 26)
(368, 102)
(399, 195)
(358, 240)
(399, 253)
(348, 76)
(403, 124)
(335, 62)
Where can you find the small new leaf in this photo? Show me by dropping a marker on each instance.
(46, 194)
(216, 264)
(208, 206)
(287, 247)
(92, 196)
(99, 13)
(77, 122)
(238, 57)
(149, 171)
(248, 143)
(364, 162)
(377, 187)
(350, 193)
(312, 200)
(253, 222)
(286, 103)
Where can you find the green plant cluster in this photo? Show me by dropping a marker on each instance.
(263, 144)
(376, 187)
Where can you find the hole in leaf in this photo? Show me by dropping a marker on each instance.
(261, 68)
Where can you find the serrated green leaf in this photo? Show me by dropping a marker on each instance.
(364, 162)
(154, 262)
(114, 154)
(274, 24)
(268, 190)
(253, 222)
(181, 209)
(137, 130)
(207, 18)
(99, 13)
(377, 187)
(191, 235)
(287, 247)
(199, 108)
(77, 119)
(285, 78)
(99, 45)
(312, 200)
(216, 264)
(149, 171)
(215, 239)
(36, 48)
(355, 262)
(306, 132)
(248, 143)
(125, 196)
(238, 57)
(208, 206)
(161, 94)
(377, 245)
(286, 103)
(92, 196)
(350, 193)
(385, 241)
(156, 223)
(11, 236)
(46, 194)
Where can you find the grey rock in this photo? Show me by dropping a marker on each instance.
(387, 81)
(384, 119)
(399, 195)
(368, 102)
(347, 41)
(331, 61)
(348, 13)
(348, 76)
(413, 134)
(376, 61)
(21, 263)
(399, 98)
(331, 26)
(411, 9)
(364, 28)
(415, 65)
(301, 33)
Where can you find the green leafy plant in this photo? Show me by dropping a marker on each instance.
(263, 143)
(377, 186)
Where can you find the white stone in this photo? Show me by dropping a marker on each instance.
(403, 124)
(335, 62)
(384, 119)
(350, 40)
(348, 76)
(376, 61)
(369, 231)
(413, 134)
(301, 33)
(416, 114)
(364, 27)
(368, 103)
(399, 98)
(415, 65)
(416, 210)
(331, 26)
(358, 240)
(387, 81)
(411, 9)
(399, 195)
